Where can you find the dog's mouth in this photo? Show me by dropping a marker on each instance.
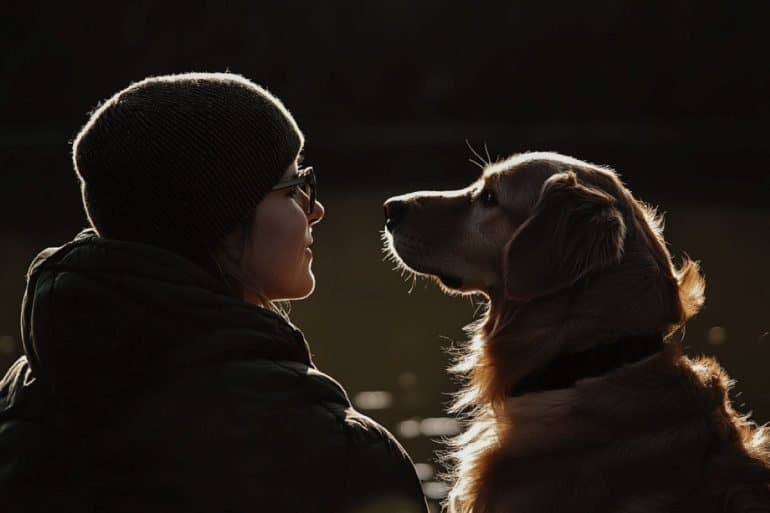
(407, 252)
(452, 282)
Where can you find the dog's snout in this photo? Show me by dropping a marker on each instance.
(394, 212)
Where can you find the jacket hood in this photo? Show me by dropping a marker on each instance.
(106, 312)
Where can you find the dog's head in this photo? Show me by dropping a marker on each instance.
(535, 225)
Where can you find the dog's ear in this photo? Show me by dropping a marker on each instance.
(574, 229)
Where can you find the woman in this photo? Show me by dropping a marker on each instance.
(158, 372)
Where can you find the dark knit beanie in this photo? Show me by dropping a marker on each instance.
(178, 161)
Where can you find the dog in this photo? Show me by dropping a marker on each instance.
(577, 396)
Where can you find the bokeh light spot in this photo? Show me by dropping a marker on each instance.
(717, 336)
(435, 490)
(7, 344)
(409, 428)
(439, 426)
(373, 400)
(424, 471)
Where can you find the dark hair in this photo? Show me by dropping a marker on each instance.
(234, 283)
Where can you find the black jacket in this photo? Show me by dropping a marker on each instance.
(144, 387)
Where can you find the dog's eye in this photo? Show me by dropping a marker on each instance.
(488, 198)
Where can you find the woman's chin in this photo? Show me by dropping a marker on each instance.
(302, 290)
(310, 286)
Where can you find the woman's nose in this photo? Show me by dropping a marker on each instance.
(317, 214)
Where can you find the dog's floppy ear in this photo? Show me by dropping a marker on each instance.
(574, 229)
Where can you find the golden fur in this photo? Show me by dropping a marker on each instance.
(569, 260)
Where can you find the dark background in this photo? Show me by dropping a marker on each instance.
(673, 95)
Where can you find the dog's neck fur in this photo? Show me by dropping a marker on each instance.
(515, 341)
(585, 403)
(602, 419)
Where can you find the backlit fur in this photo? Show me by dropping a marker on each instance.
(659, 435)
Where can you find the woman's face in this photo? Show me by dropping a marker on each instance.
(277, 258)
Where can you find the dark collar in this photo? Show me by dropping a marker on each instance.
(565, 370)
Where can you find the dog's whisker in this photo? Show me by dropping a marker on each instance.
(476, 154)
(477, 164)
(414, 282)
(486, 150)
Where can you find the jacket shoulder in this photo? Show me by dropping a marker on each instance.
(265, 432)
(290, 383)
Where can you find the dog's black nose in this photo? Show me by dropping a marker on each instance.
(394, 213)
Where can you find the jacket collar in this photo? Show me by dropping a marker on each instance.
(113, 311)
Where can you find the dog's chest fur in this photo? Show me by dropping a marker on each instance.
(655, 436)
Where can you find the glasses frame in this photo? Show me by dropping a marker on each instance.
(306, 178)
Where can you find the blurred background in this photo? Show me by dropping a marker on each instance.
(673, 95)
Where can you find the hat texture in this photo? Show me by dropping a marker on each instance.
(177, 161)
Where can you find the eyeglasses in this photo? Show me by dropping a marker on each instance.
(306, 182)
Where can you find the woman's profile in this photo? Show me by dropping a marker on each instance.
(159, 374)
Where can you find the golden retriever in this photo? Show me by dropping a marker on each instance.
(577, 395)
